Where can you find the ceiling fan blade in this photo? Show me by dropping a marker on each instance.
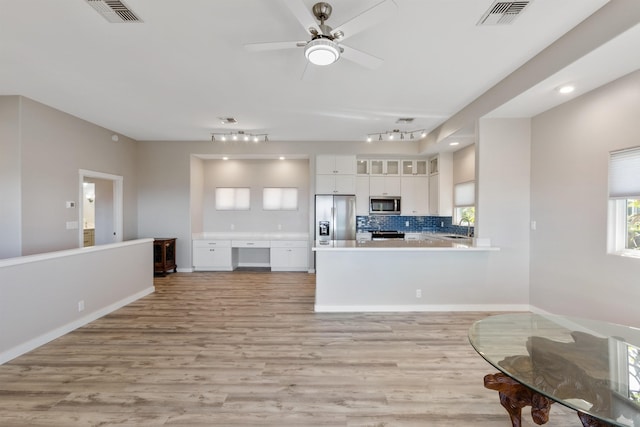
(366, 19)
(302, 14)
(259, 47)
(360, 57)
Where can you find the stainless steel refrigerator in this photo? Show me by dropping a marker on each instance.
(335, 217)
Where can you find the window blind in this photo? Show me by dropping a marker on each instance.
(233, 199)
(464, 194)
(624, 174)
(285, 199)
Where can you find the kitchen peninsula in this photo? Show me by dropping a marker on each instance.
(430, 274)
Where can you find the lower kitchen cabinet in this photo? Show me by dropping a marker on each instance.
(212, 255)
(289, 255)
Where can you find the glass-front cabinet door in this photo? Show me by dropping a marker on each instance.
(414, 167)
(385, 167)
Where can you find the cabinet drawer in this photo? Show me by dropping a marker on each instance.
(250, 244)
(212, 243)
(289, 243)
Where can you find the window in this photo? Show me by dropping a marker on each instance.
(624, 202)
(280, 199)
(233, 199)
(464, 200)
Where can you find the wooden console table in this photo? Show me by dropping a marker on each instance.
(164, 255)
(589, 366)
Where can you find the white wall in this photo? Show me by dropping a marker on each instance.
(39, 294)
(10, 190)
(502, 204)
(256, 175)
(51, 148)
(571, 272)
(197, 194)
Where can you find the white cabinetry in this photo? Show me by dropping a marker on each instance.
(385, 167)
(335, 165)
(441, 185)
(384, 186)
(212, 255)
(415, 199)
(335, 174)
(289, 255)
(362, 167)
(335, 184)
(414, 167)
(362, 195)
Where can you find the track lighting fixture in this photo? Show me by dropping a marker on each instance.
(391, 135)
(239, 136)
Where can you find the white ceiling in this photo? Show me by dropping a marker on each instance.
(172, 76)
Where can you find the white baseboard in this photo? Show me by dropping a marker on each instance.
(62, 330)
(423, 307)
(185, 270)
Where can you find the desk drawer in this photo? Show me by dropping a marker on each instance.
(289, 244)
(250, 244)
(212, 243)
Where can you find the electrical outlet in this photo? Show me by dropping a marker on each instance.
(534, 225)
(233, 227)
(70, 205)
(406, 223)
(418, 293)
(441, 223)
(279, 226)
(81, 305)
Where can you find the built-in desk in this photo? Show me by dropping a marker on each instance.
(228, 251)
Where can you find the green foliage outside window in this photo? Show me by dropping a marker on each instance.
(468, 215)
(633, 224)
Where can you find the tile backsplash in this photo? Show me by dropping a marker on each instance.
(410, 224)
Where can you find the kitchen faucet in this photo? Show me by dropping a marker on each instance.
(468, 225)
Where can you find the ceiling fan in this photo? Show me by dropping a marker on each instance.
(325, 46)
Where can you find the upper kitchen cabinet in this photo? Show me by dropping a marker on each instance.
(335, 174)
(414, 167)
(385, 167)
(362, 167)
(362, 195)
(335, 165)
(335, 184)
(441, 185)
(384, 186)
(415, 200)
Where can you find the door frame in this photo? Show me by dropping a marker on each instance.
(118, 220)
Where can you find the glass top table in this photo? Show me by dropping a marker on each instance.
(590, 366)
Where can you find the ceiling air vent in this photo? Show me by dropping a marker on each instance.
(405, 120)
(114, 11)
(503, 12)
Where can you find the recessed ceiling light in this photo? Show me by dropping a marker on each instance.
(566, 89)
(282, 158)
(225, 158)
(454, 143)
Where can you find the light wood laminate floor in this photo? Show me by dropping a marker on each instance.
(245, 349)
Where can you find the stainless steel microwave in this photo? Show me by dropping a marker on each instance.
(384, 205)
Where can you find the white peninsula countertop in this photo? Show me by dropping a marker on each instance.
(428, 244)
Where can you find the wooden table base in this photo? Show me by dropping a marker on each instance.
(515, 396)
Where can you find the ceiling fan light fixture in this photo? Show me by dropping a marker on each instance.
(322, 51)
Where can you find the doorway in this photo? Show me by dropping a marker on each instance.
(100, 209)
